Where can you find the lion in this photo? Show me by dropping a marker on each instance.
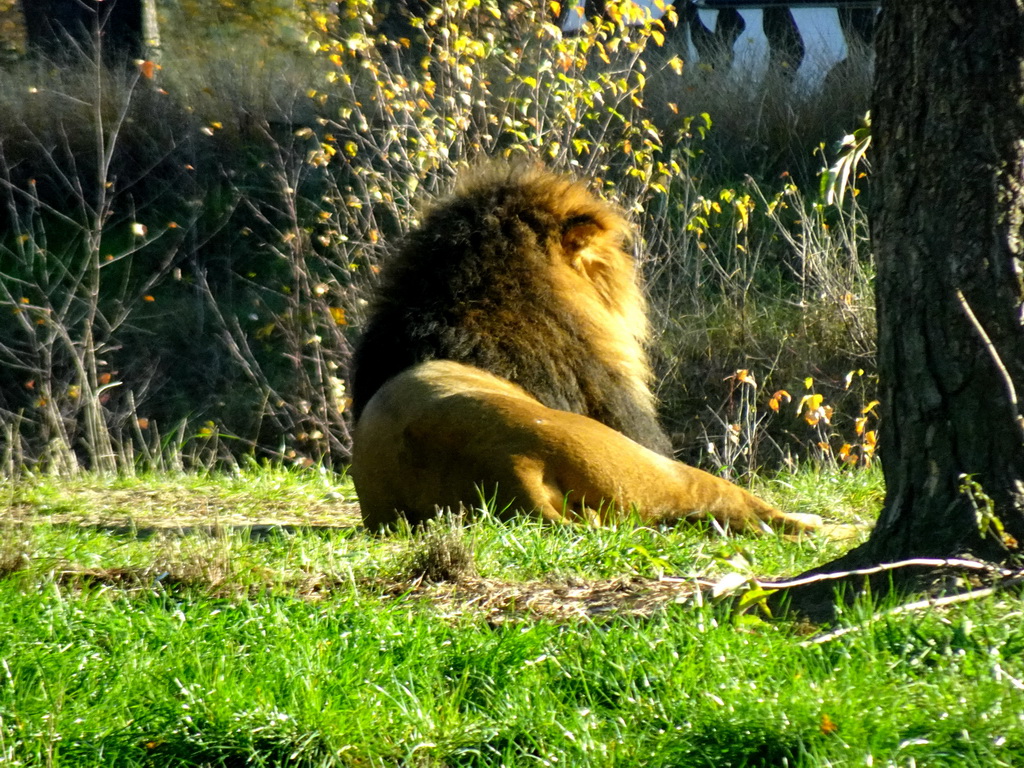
(444, 435)
(523, 273)
(504, 358)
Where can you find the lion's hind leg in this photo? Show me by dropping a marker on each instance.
(700, 495)
(603, 467)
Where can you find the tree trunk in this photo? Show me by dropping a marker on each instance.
(948, 154)
(946, 217)
(65, 30)
(786, 47)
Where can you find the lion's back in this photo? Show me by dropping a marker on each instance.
(522, 273)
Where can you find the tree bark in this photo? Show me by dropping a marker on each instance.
(786, 47)
(65, 30)
(948, 154)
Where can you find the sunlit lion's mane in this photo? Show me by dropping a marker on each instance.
(525, 274)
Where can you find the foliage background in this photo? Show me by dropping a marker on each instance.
(188, 246)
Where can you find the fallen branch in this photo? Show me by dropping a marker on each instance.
(924, 562)
(935, 602)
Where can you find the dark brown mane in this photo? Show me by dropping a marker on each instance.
(522, 273)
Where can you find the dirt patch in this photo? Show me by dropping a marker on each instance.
(183, 509)
(497, 602)
(501, 602)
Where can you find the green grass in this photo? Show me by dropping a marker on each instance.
(314, 645)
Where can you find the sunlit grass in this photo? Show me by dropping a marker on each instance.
(307, 645)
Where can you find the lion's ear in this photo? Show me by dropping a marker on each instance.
(577, 238)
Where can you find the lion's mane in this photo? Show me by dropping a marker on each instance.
(524, 274)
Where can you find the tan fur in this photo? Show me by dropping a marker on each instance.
(441, 434)
(603, 284)
(528, 275)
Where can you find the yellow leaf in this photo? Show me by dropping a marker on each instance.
(808, 382)
(813, 402)
(745, 377)
(148, 69)
(812, 410)
(780, 396)
(743, 214)
(827, 726)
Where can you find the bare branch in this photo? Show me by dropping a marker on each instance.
(1011, 391)
(919, 605)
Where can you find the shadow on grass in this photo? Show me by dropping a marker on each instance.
(732, 745)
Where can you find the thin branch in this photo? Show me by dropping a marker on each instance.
(935, 602)
(926, 562)
(1011, 391)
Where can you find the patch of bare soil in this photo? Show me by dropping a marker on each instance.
(501, 602)
(497, 602)
(185, 510)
